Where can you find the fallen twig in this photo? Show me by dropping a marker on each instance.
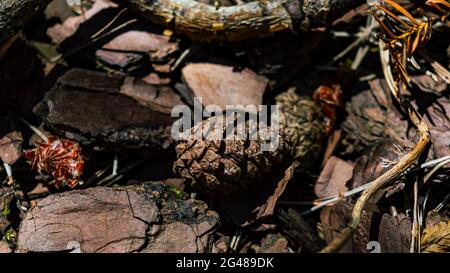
(202, 22)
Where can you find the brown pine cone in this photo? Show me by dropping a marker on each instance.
(224, 166)
(304, 123)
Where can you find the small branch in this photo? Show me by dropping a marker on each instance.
(202, 22)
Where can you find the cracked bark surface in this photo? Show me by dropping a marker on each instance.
(146, 218)
(89, 106)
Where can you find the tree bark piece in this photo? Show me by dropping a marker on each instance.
(204, 22)
(14, 14)
(88, 105)
(145, 218)
(221, 85)
(299, 233)
(333, 177)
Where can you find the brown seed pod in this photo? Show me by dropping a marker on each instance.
(223, 165)
(304, 123)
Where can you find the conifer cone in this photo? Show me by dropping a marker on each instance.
(304, 123)
(216, 166)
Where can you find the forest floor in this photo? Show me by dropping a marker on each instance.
(90, 163)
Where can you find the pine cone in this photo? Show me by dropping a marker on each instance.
(303, 122)
(224, 166)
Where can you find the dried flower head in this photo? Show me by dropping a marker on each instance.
(329, 97)
(59, 158)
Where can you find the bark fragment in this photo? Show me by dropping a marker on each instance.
(222, 85)
(88, 105)
(147, 218)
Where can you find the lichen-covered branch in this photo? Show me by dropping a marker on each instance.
(202, 22)
(14, 14)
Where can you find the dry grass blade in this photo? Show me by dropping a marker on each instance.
(437, 2)
(402, 11)
(436, 7)
(393, 16)
(385, 29)
(443, 10)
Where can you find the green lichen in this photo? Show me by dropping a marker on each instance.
(6, 210)
(178, 194)
(10, 238)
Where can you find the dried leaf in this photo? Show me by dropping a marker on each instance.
(436, 239)
(402, 11)
(329, 97)
(60, 158)
(268, 208)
